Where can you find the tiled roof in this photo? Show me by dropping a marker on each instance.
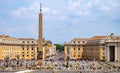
(80, 39)
(26, 38)
(99, 37)
(93, 42)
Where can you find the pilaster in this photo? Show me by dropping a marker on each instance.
(116, 53)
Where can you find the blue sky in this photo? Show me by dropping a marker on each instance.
(63, 20)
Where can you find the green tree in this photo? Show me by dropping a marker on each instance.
(59, 47)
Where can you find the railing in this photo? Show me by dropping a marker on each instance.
(112, 40)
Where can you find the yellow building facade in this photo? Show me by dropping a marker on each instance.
(74, 48)
(95, 48)
(22, 48)
(17, 48)
(28, 48)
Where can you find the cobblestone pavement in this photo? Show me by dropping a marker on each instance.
(64, 71)
(68, 71)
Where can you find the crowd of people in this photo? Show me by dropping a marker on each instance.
(57, 62)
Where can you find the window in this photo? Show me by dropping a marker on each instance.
(83, 41)
(74, 55)
(74, 49)
(23, 41)
(103, 48)
(37, 48)
(27, 41)
(78, 41)
(31, 55)
(22, 55)
(27, 48)
(27, 52)
(83, 56)
(103, 57)
(27, 55)
(83, 49)
(32, 42)
(74, 41)
(23, 48)
(32, 48)
(78, 55)
(78, 48)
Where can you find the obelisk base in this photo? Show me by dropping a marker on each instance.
(40, 62)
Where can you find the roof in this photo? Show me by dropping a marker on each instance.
(93, 38)
(99, 37)
(26, 38)
(93, 42)
(6, 37)
(80, 39)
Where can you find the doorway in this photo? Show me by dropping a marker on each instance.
(112, 53)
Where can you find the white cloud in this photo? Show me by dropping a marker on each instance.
(109, 5)
(32, 10)
(79, 8)
(18, 12)
(74, 3)
(55, 12)
(29, 11)
(89, 7)
(46, 10)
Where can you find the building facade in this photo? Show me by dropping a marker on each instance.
(22, 48)
(17, 48)
(113, 48)
(96, 48)
(74, 48)
(50, 49)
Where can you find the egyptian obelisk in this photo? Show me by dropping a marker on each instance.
(40, 40)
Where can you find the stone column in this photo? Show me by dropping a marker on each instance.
(107, 52)
(116, 53)
(65, 53)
